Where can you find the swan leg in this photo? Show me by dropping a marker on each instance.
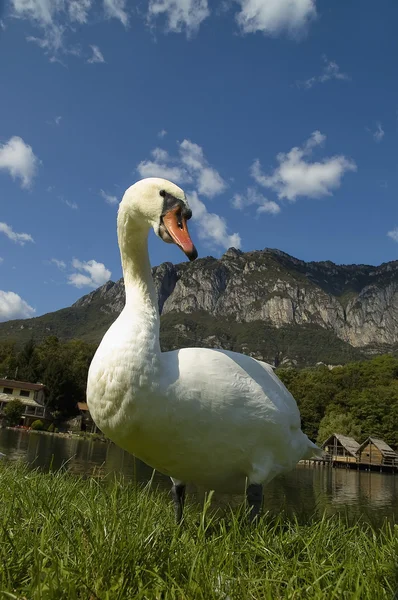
(254, 497)
(178, 495)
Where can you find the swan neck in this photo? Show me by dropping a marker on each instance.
(138, 281)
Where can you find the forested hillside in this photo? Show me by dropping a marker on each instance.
(357, 399)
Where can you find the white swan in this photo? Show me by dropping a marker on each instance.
(216, 418)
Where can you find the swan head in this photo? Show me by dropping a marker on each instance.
(162, 205)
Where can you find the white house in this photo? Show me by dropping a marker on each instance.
(32, 396)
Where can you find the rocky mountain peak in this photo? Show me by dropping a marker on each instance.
(264, 302)
(232, 253)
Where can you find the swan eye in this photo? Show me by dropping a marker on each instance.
(162, 193)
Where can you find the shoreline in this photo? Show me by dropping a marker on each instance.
(95, 437)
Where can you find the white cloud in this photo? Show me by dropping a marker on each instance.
(273, 16)
(211, 227)
(97, 56)
(181, 15)
(331, 70)
(58, 20)
(252, 196)
(297, 176)
(19, 160)
(78, 10)
(379, 133)
(160, 155)
(13, 307)
(164, 166)
(71, 205)
(109, 198)
(160, 168)
(209, 181)
(393, 234)
(46, 13)
(58, 263)
(38, 10)
(97, 274)
(43, 13)
(191, 165)
(316, 139)
(162, 133)
(116, 9)
(18, 238)
(54, 121)
(51, 43)
(192, 155)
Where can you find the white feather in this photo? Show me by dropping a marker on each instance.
(211, 417)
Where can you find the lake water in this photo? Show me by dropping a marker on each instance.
(306, 491)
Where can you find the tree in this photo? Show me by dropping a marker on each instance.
(376, 408)
(62, 391)
(13, 412)
(28, 367)
(8, 359)
(79, 355)
(334, 422)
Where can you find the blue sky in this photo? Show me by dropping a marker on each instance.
(279, 118)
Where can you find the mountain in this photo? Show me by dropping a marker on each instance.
(264, 303)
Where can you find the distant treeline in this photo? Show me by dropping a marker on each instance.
(61, 366)
(358, 399)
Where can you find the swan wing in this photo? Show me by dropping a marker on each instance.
(230, 414)
(221, 380)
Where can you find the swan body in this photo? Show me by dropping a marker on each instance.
(215, 418)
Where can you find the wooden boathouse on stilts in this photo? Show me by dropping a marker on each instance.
(343, 451)
(376, 453)
(340, 449)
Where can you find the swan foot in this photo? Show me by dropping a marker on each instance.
(254, 497)
(178, 495)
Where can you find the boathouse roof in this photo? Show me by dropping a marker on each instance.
(381, 445)
(347, 442)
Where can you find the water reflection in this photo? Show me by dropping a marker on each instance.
(305, 491)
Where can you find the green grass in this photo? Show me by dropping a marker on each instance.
(65, 537)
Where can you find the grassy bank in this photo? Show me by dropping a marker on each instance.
(63, 537)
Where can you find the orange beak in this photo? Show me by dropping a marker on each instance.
(176, 226)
